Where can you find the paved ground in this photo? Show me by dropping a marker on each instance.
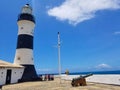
(55, 85)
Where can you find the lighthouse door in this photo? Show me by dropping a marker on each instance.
(8, 76)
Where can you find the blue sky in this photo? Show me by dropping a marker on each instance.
(89, 32)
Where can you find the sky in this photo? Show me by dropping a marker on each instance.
(89, 34)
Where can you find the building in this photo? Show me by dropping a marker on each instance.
(23, 67)
(24, 50)
(10, 73)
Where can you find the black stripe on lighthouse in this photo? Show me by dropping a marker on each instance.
(29, 74)
(25, 41)
(25, 16)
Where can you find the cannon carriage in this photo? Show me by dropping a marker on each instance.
(80, 81)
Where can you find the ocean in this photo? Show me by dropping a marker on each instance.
(96, 72)
(84, 73)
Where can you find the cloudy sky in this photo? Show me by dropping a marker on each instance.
(89, 32)
(77, 11)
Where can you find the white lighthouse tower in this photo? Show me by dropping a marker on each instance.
(24, 50)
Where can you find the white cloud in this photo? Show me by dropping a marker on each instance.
(103, 66)
(117, 33)
(76, 11)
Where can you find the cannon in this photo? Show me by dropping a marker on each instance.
(80, 81)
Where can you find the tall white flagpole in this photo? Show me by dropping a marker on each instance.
(59, 63)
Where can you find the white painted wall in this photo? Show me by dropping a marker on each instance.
(26, 27)
(2, 75)
(24, 56)
(15, 75)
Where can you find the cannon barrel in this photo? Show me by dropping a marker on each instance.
(85, 76)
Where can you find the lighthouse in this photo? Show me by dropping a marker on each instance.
(24, 51)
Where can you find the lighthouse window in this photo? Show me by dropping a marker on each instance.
(18, 58)
(21, 27)
(32, 31)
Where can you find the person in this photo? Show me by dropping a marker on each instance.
(49, 77)
(52, 77)
(41, 78)
(46, 77)
(67, 72)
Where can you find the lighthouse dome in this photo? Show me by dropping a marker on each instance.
(26, 13)
(27, 9)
